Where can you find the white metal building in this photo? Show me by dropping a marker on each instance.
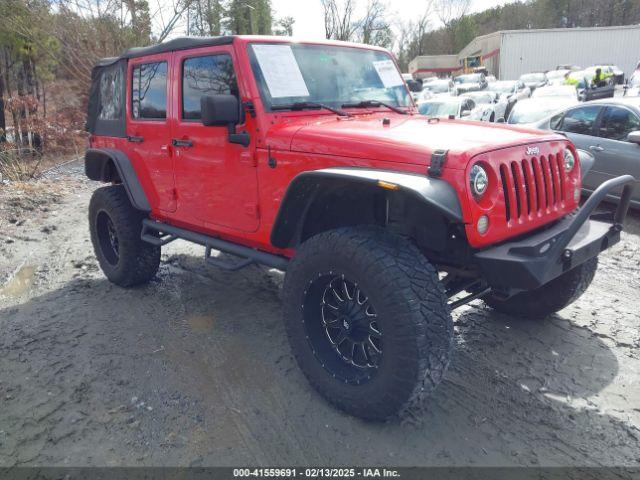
(510, 53)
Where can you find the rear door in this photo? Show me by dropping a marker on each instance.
(148, 129)
(216, 181)
(617, 156)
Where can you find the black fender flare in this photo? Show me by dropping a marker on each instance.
(97, 163)
(303, 189)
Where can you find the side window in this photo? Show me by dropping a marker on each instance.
(617, 123)
(580, 120)
(149, 91)
(111, 101)
(202, 76)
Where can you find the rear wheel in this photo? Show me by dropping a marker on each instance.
(115, 228)
(550, 298)
(368, 320)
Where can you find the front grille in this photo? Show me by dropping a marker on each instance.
(533, 185)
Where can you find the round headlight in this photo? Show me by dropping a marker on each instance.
(569, 161)
(479, 180)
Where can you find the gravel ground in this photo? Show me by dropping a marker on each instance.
(194, 368)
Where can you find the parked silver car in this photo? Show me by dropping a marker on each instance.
(608, 129)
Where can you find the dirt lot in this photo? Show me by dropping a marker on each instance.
(194, 368)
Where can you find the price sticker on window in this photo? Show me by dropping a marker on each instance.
(281, 71)
(388, 73)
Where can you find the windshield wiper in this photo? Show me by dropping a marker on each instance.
(374, 103)
(309, 105)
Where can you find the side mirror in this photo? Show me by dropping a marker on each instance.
(501, 120)
(634, 137)
(224, 111)
(220, 110)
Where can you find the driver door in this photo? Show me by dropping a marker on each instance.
(216, 181)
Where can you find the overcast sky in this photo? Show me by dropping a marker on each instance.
(309, 17)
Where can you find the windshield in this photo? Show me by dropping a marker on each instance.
(501, 87)
(292, 73)
(438, 109)
(533, 77)
(437, 87)
(476, 78)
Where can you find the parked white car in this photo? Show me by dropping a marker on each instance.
(632, 88)
(534, 80)
(440, 87)
(557, 77)
(492, 106)
(455, 107)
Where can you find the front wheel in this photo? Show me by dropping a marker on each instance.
(368, 320)
(550, 298)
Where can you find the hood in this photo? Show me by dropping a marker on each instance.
(407, 139)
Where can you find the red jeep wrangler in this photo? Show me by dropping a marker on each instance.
(310, 157)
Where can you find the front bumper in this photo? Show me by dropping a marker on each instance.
(535, 260)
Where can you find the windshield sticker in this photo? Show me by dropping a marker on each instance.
(388, 73)
(281, 71)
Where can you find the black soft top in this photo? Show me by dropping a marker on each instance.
(106, 106)
(182, 43)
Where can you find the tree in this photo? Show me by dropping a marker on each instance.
(248, 17)
(451, 11)
(411, 38)
(374, 27)
(284, 26)
(338, 19)
(204, 18)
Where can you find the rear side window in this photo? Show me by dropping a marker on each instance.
(111, 93)
(203, 76)
(617, 123)
(149, 91)
(580, 120)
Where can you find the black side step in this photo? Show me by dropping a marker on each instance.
(158, 233)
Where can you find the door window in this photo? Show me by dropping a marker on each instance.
(580, 120)
(149, 91)
(617, 123)
(202, 76)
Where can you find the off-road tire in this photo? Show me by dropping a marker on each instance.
(412, 314)
(135, 261)
(550, 298)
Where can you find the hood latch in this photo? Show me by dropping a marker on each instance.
(438, 158)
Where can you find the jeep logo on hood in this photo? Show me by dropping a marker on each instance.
(532, 150)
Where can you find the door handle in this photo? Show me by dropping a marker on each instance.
(596, 148)
(134, 139)
(181, 143)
